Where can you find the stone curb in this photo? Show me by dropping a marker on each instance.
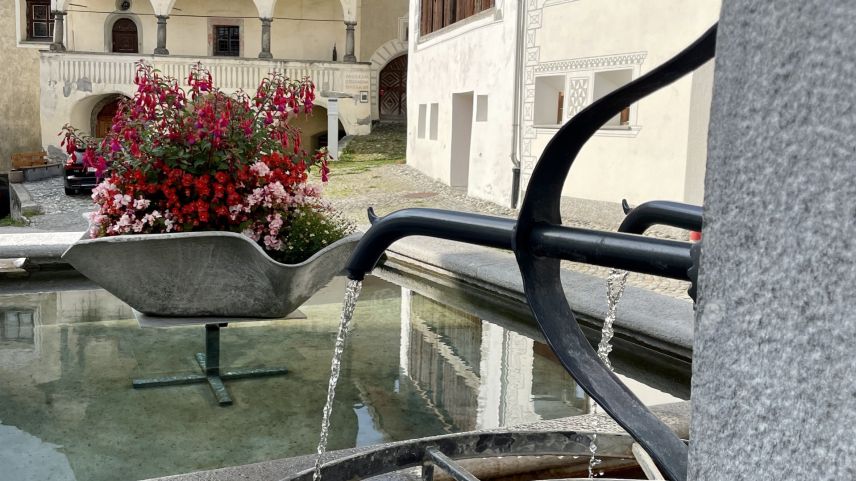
(23, 205)
(676, 416)
(661, 322)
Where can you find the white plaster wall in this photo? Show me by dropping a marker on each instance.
(574, 38)
(474, 55)
(650, 162)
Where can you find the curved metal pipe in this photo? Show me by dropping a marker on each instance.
(660, 212)
(466, 227)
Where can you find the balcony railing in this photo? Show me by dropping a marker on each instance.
(229, 73)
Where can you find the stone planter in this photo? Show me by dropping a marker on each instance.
(204, 274)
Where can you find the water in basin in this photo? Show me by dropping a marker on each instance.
(415, 367)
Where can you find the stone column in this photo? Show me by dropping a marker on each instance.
(349, 43)
(774, 375)
(161, 48)
(57, 45)
(333, 127)
(265, 53)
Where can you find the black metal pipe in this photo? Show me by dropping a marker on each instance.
(661, 212)
(629, 252)
(515, 186)
(466, 227)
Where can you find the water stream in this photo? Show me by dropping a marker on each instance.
(614, 289)
(352, 293)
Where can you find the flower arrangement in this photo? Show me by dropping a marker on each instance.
(201, 160)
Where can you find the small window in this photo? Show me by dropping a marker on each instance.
(550, 100)
(40, 20)
(437, 14)
(420, 126)
(227, 40)
(481, 108)
(606, 82)
(435, 110)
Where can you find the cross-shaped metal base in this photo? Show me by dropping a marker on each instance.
(209, 362)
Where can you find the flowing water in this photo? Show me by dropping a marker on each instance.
(352, 293)
(614, 289)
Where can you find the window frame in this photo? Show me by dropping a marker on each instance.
(438, 14)
(215, 51)
(627, 116)
(31, 21)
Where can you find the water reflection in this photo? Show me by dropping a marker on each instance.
(477, 375)
(415, 367)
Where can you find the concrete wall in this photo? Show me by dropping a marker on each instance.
(574, 40)
(471, 56)
(19, 76)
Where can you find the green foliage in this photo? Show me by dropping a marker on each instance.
(10, 222)
(311, 228)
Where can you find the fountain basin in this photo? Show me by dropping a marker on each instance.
(204, 274)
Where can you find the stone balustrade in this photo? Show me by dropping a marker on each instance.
(229, 73)
(75, 85)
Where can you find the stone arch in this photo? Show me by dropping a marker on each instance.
(111, 20)
(346, 120)
(382, 56)
(99, 105)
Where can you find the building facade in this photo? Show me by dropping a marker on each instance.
(491, 81)
(88, 49)
(19, 128)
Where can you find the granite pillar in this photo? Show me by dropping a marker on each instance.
(349, 43)
(58, 34)
(774, 374)
(265, 53)
(161, 38)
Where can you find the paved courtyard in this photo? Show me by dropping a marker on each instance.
(352, 188)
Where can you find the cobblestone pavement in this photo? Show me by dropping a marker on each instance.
(385, 187)
(60, 212)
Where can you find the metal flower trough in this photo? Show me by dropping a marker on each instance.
(204, 274)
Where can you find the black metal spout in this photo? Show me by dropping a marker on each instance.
(466, 227)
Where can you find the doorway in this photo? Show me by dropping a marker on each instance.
(125, 36)
(462, 129)
(104, 118)
(392, 90)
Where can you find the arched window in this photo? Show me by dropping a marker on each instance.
(125, 36)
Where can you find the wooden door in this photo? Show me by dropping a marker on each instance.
(392, 92)
(104, 120)
(125, 36)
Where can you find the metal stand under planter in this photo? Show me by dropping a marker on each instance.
(209, 363)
